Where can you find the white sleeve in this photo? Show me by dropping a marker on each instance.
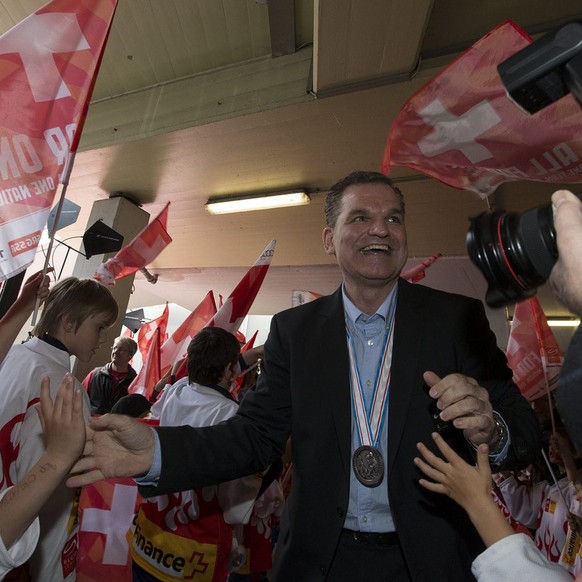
(515, 559)
(21, 549)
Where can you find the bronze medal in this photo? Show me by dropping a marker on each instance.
(368, 466)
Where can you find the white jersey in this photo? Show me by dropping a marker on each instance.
(22, 444)
(198, 405)
(542, 508)
(516, 559)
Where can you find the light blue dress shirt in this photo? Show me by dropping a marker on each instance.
(368, 507)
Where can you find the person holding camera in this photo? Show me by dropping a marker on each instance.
(566, 277)
(358, 377)
(566, 281)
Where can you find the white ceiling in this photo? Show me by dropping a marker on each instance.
(191, 103)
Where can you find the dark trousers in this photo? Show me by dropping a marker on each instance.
(358, 560)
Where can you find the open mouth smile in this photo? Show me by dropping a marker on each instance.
(376, 248)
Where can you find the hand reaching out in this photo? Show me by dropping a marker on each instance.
(453, 476)
(62, 422)
(469, 485)
(117, 446)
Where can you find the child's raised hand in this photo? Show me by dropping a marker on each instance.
(454, 477)
(36, 285)
(62, 422)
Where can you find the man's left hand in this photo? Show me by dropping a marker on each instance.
(464, 403)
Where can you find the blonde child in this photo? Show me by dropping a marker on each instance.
(74, 322)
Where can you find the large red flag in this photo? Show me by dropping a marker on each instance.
(177, 344)
(149, 374)
(533, 352)
(141, 251)
(463, 129)
(48, 66)
(236, 307)
(145, 333)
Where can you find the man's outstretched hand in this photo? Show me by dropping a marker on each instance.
(117, 446)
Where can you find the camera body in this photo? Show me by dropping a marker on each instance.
(516, 252)
(546, 70)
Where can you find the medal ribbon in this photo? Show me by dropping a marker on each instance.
(369, 419)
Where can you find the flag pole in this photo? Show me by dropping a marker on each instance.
(64, 183)
(547, 461)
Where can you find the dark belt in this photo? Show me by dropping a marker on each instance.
(389, 538)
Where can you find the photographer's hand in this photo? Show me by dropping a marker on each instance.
(566, 276)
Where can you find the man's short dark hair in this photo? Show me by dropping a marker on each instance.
(209, 352)
(334, 196)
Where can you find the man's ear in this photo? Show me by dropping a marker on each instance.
(327, 237)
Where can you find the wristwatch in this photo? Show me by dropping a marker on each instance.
(501, 435)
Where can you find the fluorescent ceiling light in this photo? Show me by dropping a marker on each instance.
(558, 322)
(246, 203)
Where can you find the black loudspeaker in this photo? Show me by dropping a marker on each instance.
(134, 319)
(100, 239)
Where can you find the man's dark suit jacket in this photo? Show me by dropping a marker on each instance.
(304, 390)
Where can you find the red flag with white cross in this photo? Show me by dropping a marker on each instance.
(141, 251)
(462, 129)
(146, 332)
(48, 67)
(176, 345)
(149, 374)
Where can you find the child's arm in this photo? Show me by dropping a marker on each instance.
(64, 429)
(469, 486)
(12, 322)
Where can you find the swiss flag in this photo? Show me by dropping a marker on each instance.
(533, 352)
(141, 251)
(146, 332)
(106, 510)
(149, 374)
(236, 307)
(462, 129)
(48, 67)
(177, 344)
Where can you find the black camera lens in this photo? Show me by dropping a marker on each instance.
(515, 252)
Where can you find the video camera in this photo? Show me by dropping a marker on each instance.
(516, 252)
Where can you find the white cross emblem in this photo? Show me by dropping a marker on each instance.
(457, 133)
(36, 39)
(114, 523)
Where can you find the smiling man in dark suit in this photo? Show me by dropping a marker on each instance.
(357, 378)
